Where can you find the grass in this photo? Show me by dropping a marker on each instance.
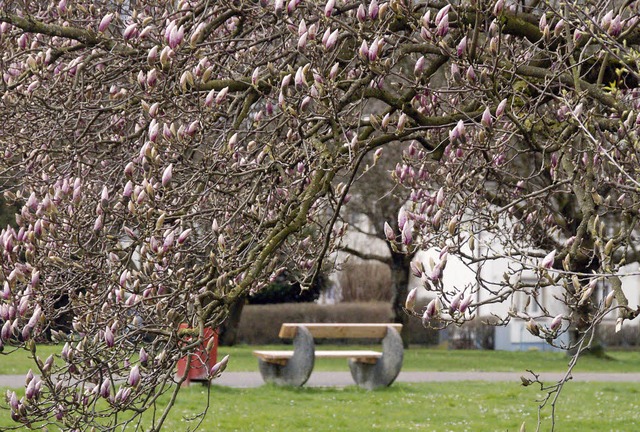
(455, 406)
(416, 359)
(462, 406)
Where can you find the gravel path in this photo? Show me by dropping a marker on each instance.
(339, 379)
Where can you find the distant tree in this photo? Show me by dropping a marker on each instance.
(165, 156)
(377, 197)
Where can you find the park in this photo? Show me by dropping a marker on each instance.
(453, 177)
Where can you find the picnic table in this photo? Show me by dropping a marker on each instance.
(369, 369)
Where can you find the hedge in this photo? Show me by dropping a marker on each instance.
(260, 324)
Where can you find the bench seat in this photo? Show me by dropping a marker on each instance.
(281, 357)
(369, 369)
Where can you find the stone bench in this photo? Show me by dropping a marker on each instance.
(369, 369)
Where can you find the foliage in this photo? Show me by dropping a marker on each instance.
(362, 281)
(166, 156)
(284, 290)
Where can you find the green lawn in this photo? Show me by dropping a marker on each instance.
(455, 406)
(461, 406)
(416, 359)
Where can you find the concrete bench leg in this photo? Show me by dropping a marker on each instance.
(298, 368)
(384, 372)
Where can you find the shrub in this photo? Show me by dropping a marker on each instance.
(365, 281)
(260, 324)
(285, 290)
(627, 337)
(476, 334)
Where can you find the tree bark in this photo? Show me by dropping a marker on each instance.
(228, 331)
(400, 271)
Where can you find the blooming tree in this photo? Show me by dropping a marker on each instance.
(166, 156)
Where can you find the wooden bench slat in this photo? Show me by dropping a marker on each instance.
(335, 331)
(281, 357)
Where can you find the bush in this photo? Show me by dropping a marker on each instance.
(365, 281)
(476, 334)
(260, 324)
(283, 290)
(627, 337)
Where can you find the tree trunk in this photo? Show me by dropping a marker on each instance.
(228, 330)
(581, 324)
(400, 270)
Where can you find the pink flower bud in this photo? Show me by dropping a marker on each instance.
(219, 367)
(334, 71)
(23, 41)
(152, 56)
(302, 41)
(464, 304)
(153, 130)
(222, 95)
(559, 27)
(556, 323)
(605, 22)
(167, 175)
(152, 77)
(431, 310)
(501, 107)
(443, 27)
(419, 67)
(328, 9)
(532, 327)
(31, 391)
(278, 7)
(109, 338)
(416, 268)
(373, 50)
(302, 28)
(130, 32)
(497, 9)
(333, 39)
(441, 14)
(455, 302)
(105, 388)
(168, 241)
(410, 303)
(471, 74)
(363, 52)
(361, 13)
(176, 36)
(6, 331)
(461, 49)
(407, 233)
(487, 120)
(402, 217)
(13, 401)
(134, 376)
(543, 22)
(388, 232)
(104, 22)
(455, 73)
(547, 261)
(440, 197)
(62, 7)
(146, 32)
(99, 223)
(291, 6)
(208, 101)
(374, 9)
(143, 356)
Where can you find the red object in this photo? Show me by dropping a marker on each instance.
(201, 361)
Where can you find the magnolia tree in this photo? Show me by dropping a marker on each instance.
(168, 158)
